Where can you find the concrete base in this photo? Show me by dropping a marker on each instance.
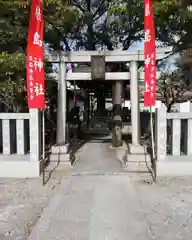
(137, 149)
(61, 158)
(138, 163)
(61, 154)
(174, 169)
(137, 167)
(138, 159)
(55, 166)
(60, 149)
(15, 166)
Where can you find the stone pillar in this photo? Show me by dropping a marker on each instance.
(135, 111)
(61, 108)
(117, 121)
(116, 95)
(113, 93)
(87, 107)
(117, 92)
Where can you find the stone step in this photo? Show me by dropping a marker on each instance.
(137, 149)
(62, 158)
(138, 163)
(52, 166)
(144, 167)
(138, 157)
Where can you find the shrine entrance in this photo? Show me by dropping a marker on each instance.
(104, 71)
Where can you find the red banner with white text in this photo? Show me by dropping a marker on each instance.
(35, 58)
(149, 55)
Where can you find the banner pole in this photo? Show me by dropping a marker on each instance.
(152, 141)
(43, 143)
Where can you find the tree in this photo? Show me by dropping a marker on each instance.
(171, 21)
(89, 25)
(111, 24)
(14, 21)
(12, 84)
(175, 86)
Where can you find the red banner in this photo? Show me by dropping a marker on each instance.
(149, 55)
(35, 58)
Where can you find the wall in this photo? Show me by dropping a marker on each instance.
(181, 107)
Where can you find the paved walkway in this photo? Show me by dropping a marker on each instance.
(96, 203)
(96, 157)
(100, 202)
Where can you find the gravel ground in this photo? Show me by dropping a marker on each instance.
(167, 206)
(22, 202)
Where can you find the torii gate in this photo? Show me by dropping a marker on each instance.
(109, 56)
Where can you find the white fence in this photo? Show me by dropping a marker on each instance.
(173, 142)
(20, 144)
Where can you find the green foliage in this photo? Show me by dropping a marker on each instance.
(88, 24)
(171, 21)
(173, 86)
(12, 81)
(14, 22)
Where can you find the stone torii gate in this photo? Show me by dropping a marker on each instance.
(132, 58)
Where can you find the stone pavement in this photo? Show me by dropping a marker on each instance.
(96, 157)
(101, 202)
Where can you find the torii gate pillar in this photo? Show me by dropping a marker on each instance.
(117, 128)
(60, 151)
(135, 111)
(61, 106)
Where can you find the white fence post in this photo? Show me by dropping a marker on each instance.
(189, 137)
(34, 135)
(21, 136)
(176, 137)
(9, 137)
(161, 130)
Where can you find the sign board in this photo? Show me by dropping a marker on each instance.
(98, 67)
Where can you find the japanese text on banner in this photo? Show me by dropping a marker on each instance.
(149, 55)
(35, 58)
